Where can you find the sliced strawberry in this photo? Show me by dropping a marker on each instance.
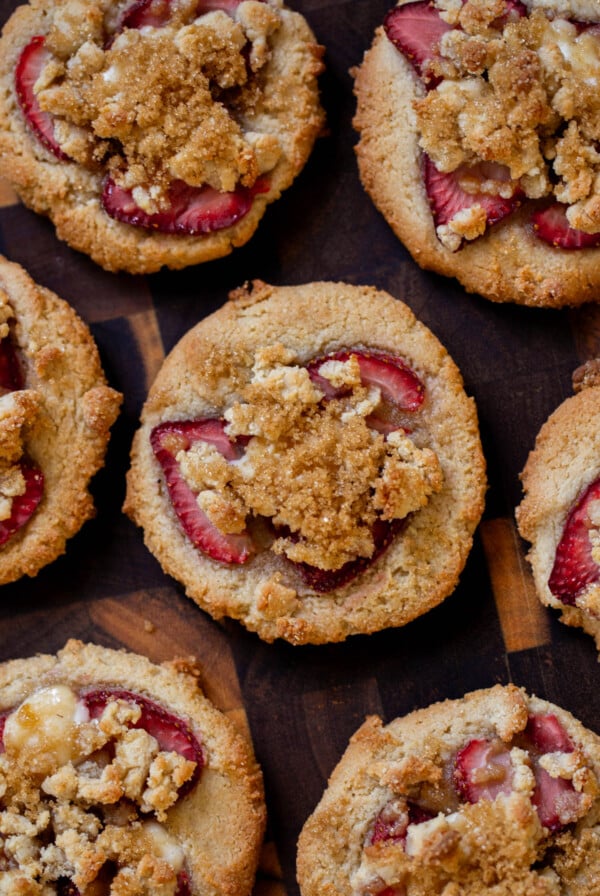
(172, 733)
(228, 6)
(192, 210)
(156, 13)
(23, 506)
(556, 800)
(483, 770)
(574, 567)
(547, 735)
(11, 376)
(392, 375)
(323, 580)
(3, 718)
(183, 885)
(551, 226)
(145, 13)
(447, 196)
(393, 821)
(416, 30)
(29, 67)
(167, 440)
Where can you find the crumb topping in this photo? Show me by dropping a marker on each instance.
(154, 105)
(315, 468)
(523, 95)
(78, 795)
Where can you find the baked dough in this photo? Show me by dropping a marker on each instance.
(122, 103)
(172, 803)
(494, 793)
(508, 263)
(216, 370)
(560, 470)
(58, 418)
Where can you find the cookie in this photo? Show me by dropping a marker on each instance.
(497, 792)
(56, 411)
(309, 464)
(156, 133)
(132, 780)
(558, 515)
(478, 125)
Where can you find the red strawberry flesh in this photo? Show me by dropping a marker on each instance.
(324, 580)
(171, 732)
(23, 506)
(191, 211)
(145, 13)
(29, 67)
(392, 822)
(447, 197)
(401, 389)
(167, 440)
(416, 30)
(156, 13)
(574, 566)
(552, 226)
(483, 770)
(11, 377)
(547, 735)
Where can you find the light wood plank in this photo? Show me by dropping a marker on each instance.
(523, 619)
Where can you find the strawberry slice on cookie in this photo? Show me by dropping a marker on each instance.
(167, 440)
(552, 226)
(190, 210)
(32, 61)
(467, 201)
(11, 375)
(23, 505)
(575, 566)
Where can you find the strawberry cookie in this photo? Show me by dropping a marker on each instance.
(56, 411)
(479, 126)
(495, 793)
(560, 511)
(156, 132)
(309, 463)
(119, 775)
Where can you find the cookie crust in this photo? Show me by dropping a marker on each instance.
(220, 823)
(204, 374)
(508, 263)
(69, 435)
(70, 195)
(563, 463)
(383, 761)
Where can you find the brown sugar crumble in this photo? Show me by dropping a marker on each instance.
(76, 794)
(155, 105)
(315, 468)
(524, 95)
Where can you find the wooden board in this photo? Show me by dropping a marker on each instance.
(302, 704)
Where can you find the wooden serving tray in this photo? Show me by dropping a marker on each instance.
(302, 704)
